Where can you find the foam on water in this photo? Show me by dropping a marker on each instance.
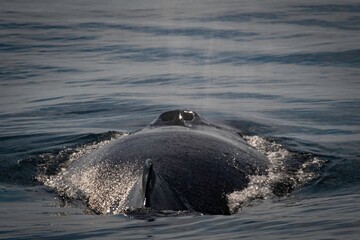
(102, 198)
(280, 180)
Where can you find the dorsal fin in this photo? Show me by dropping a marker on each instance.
(148, 182)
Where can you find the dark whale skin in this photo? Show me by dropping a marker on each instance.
(196, 163)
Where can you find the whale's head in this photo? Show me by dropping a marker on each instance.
(184, 117)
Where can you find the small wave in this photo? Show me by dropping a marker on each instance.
(288, 171)
(100, 199)
(56, 163)
(150, 214)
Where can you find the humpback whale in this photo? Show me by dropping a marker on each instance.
(180, 161)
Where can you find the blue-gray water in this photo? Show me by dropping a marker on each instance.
(285, 71)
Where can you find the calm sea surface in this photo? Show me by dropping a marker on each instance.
(75, 73)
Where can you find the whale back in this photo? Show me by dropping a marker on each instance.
(196, 164)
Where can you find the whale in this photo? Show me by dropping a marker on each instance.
(179, 162)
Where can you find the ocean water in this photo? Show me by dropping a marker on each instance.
(286, 74)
